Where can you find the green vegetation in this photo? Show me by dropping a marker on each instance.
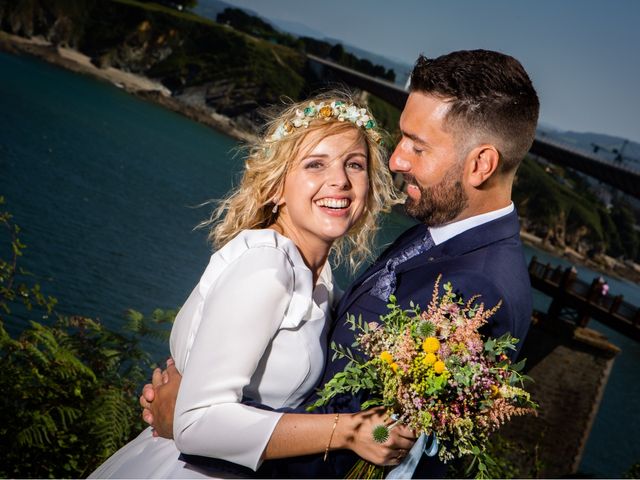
(69, 385)
(167, 9)
(338, 54)
(623, 218)
(255, 26)
(183, 50)
(388, 116)
(559, 206)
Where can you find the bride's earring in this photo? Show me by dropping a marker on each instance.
(275, 206)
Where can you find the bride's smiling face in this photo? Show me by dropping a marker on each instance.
(325, 192)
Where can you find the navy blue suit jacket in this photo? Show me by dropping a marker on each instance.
(486, 260)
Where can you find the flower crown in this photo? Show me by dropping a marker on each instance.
(337, 110)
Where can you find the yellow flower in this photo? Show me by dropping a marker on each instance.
(431, 345)
(430, 359)
(438, 367)
(325, 112)
(394, 367)
(495, 391)
(386, 357)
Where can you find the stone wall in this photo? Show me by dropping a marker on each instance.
(570, 368)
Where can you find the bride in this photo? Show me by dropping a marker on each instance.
(255, 327)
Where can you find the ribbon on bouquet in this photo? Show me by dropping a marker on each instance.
(427, 444)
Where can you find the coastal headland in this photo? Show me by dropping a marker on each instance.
(132, 83)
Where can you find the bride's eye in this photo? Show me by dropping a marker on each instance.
(313, 164)
(354, 165)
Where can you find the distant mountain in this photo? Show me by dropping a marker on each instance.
(606, 144)
(547, 128)
(295, 28)
(211, 8)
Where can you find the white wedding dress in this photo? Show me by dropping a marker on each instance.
(255, 328)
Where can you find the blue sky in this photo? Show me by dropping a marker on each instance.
(583, 55)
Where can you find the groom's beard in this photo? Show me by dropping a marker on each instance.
(441, 203)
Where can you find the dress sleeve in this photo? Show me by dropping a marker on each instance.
(241, 314)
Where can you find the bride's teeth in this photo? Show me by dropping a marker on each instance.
(333, 202)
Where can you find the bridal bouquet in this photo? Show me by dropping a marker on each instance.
(435, 373)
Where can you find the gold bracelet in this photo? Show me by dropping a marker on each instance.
(326, 450)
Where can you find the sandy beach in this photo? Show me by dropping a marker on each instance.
(604, 264)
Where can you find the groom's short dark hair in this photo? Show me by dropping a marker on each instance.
(490, 95)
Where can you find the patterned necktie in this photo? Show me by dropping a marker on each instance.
(386, 281)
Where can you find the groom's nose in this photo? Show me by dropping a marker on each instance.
(397, 162)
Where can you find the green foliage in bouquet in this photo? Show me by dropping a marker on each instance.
(69, 386)
(434, 372)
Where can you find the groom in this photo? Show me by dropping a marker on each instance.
(468, 122)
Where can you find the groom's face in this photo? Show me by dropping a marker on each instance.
(432, 166)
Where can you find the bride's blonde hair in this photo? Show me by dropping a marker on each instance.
(268, 161)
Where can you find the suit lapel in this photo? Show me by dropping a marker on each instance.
(360, 286)
(472, 239)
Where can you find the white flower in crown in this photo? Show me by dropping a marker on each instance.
(298, 121)
(279, 134)
(363, 119)
(352, 113)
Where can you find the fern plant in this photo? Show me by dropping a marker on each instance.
(70, 387)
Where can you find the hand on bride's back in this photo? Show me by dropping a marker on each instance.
(361, 441)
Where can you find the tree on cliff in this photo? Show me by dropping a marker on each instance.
(624, 220)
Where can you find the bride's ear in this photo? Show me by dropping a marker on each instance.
(277, 197)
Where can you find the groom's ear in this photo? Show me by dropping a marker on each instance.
(483, 162)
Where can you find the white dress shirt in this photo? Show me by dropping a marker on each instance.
(445, 232)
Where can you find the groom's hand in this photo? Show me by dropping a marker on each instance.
(158, 400)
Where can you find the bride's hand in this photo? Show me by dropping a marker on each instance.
(357, 432)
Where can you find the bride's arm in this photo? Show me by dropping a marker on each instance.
(295, 434)
(240, 316)
(304, 434)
